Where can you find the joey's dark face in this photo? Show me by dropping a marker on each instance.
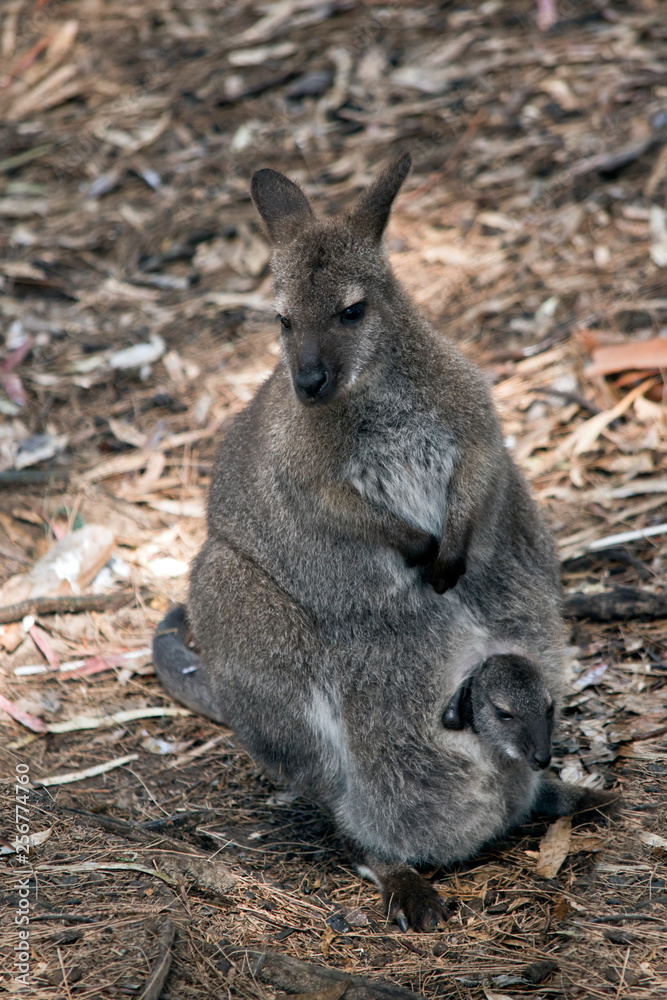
(513, 710)
(330, 309)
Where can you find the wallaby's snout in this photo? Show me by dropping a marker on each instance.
(311, 381)
(541, 759)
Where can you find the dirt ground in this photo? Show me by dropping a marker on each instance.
(136, 310)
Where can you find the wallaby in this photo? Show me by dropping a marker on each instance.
(369, 542)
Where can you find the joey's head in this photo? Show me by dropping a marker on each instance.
(334, 289)
(507, 703)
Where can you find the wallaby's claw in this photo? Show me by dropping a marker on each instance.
(411, 901)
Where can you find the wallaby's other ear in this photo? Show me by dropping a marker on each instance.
(280, 202)
(370, 214)
(458, 713)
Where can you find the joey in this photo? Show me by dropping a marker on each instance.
(506, 704)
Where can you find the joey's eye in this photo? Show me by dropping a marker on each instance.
(353, 313)
(503, 715)
(284, 322)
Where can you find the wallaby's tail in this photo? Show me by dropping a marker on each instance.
(179, 669)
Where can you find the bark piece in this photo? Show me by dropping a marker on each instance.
(294, 976)
(616, 605)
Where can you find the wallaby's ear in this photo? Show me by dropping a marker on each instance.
(280, 202)
(369, 216)
(458, 713)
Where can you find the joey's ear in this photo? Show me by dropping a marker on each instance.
(369, 216)
(280, 202)
(458, 713)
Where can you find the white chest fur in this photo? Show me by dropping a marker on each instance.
(405, 474)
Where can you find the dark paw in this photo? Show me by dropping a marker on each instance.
(445, 574)
(412, 902)
(420, 551)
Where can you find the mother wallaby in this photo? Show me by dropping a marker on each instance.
(369, 543)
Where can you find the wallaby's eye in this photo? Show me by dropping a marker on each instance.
(503, 715)
(353, 313)
(284, 322)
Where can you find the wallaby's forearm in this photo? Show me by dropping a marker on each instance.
(470, 493)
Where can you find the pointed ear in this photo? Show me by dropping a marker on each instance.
(281, 203)
(370, 215)
(458, 713)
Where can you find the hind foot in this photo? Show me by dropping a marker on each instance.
(409, 898)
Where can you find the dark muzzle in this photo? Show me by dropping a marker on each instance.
(540, 760)
(311, 380)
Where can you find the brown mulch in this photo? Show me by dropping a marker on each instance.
(533, 231)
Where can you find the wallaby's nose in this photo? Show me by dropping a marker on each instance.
(541, 759)
(311, 380)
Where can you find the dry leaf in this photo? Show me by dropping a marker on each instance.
(325, 942)
(34, 840)
(584, 438)
(561, 909)
(631, 356)
(25, 718)
(553, 848)
(585, 842)
(658, 227)
(11, 636)
(127, 433)
(652, 839)
(67, 568)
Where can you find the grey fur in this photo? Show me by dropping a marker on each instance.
(369, 542)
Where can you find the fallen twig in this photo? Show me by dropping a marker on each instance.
(28, 477)
(330, 993)
(178, 820)
(617, 918)
(626, 536)
(166, 934)
(64, 974)
(64, 605)
(88, 772)
(570, 397)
